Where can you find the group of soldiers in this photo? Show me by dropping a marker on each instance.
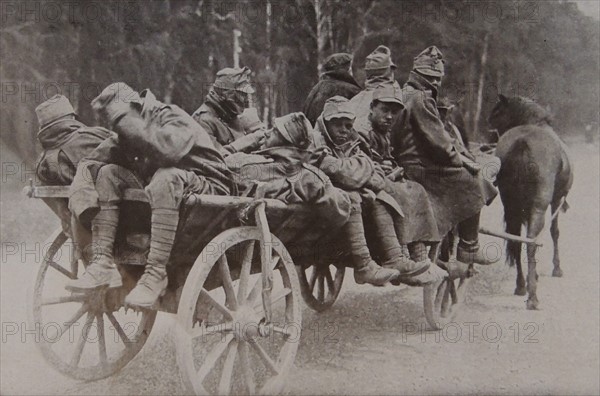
(378, 156)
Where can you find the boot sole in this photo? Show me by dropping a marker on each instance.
(77, 289)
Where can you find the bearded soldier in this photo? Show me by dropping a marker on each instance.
(428, 155)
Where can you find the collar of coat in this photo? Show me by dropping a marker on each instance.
(57, 133)
(340, 75)
(419, 82)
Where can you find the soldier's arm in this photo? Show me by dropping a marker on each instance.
(429, 125)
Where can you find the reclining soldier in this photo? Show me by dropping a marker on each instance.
(65, 142)
(160, 148)
(343, 156)
(289, 145)
(220, 112)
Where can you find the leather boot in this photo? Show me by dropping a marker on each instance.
(153, 282)
(102, 270)
(468, 250)
(391, 253)
(365, 269)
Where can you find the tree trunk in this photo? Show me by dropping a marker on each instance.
(484, 54)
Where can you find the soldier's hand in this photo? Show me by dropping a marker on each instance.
(368, 195)
(249, 142)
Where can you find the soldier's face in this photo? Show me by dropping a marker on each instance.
(339, 129)
(274, 139)
(383, 115)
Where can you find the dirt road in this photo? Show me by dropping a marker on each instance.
(373, 341)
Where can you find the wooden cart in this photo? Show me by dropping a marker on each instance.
(233, 285)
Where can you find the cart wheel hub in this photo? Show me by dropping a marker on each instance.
(248, 325)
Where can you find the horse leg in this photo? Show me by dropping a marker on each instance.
(557, 272)
(513, 226)
(536, 223)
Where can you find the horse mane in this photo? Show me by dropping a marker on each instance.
(531, 113)
(513, 111)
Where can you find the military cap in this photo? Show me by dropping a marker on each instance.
(294, 128)
(234, 79)
(339, 61)
(52, 109)
(249, 120)
(338, 107)
(430, 62)
(119, 92)
(381, 58)
(389, 93)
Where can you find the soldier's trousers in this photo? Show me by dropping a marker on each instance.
(166, 190)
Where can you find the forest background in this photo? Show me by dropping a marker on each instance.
(545, 50)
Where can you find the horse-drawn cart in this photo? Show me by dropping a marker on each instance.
(233, 285)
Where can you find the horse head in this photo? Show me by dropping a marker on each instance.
(510, 112)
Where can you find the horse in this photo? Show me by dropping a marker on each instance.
(535, 173)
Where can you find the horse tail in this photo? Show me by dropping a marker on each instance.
(515, 191)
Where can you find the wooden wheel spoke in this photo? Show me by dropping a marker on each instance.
(217, 305)
(245, 271)
(256, 290)
(246, 368)
(64, 299)
(440, 293)
(264, 356)
(82, 340)
(330, 283)
(225, 382)
(230, 299)
(101, 339)
(275, 298)
(61, 269)
(453, 294)
(212, 357)
(313, 279)
(67, 325)
(119, 329)
(321, 287)
(204, 330)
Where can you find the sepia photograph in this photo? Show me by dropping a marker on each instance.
(300, 197)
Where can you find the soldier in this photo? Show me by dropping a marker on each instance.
(218, 115)
(418, 227)
(64, 139)
(379, 69)
(426, 152)
(160, 148)
(336, 79)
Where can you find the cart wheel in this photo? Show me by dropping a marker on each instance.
(443, 300)
(224, 344)
(313, 286)
(85, 336)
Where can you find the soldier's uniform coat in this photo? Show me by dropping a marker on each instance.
(172, 142)
(65, 144)
(426, 152)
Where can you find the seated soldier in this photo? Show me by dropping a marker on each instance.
(159, 147)
(429, 156)
(346, 162)
(290, 178)
(225, 102)
(65, 141)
